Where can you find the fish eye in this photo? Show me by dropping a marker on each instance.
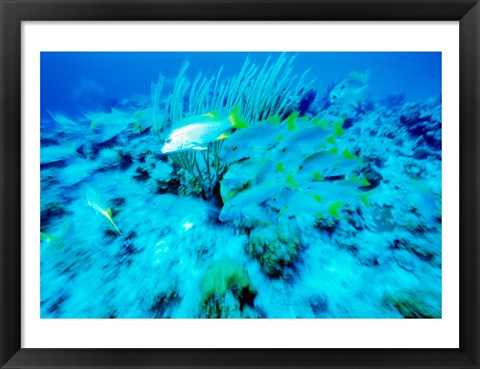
(235, 148)
(168, 140)
(342, 87)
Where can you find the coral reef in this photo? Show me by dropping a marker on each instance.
(226, 291)
(276, 246)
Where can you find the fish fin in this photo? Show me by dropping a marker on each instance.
(114, 225)
(331, 140)
(255, 213)
(236, 118)
(93, 124)
(291, 121)
(275, 119)
(136, 126)
(334, 208)
(338, 128)
(322, 124)
(317, 198)
(45, 237)
(365, 182)
(109, 212)
(223, 136)
(279, 167)
(283, 210)
(333, 151)
(346, 154)
(362, 89)
(317, 176)
(289, 181)
(77, 154)
(364, 197)
(359, 77)
(229, 195)
(213, 115)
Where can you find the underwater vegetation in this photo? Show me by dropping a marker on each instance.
(244, 195)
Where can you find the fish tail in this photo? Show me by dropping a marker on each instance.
(236, 118)
(114, 225)
(334, 208)
(45, 237)
(291, 121)
(365, 182)
(364, 197)
(108, 214)
(338, 128)
(93, 124)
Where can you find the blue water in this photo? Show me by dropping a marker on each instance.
(310, 189)
(101, 78)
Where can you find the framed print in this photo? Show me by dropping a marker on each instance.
(239, 184)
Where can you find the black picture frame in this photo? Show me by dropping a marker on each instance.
(13, 12)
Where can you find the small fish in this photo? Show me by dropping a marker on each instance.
(239, 176)
(78, 170)
(254, 142)
(94, 201)
(327, 163)
(308, 136)
(344, 189)
(114, 118)
(55, 153)
(144, 119)
(247, 203)
(65, 124)
(57, 238)
(108, 157)
(303, 138)
(195, 133)
(351, 91)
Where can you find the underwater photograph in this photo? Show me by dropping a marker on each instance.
(240, 185)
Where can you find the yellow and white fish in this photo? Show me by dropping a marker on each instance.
(94, 201)
(351, 91)
(195, 133)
